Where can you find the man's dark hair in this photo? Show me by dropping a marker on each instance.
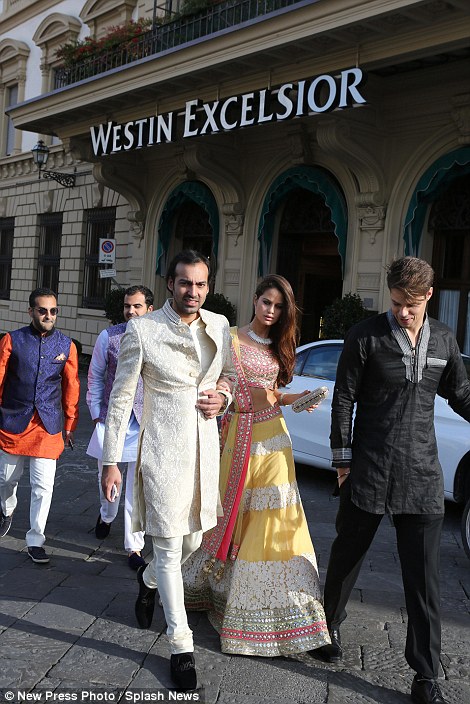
(132, 290)
(42, 291)
(188, 256)
(413, 276)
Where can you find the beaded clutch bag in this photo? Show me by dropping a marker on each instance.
(310, 399)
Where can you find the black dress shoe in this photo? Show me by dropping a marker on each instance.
(333, 652)
(425, 691)
(183, 671)
(102, 529)
(145, 603)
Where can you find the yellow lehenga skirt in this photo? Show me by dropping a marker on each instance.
(268, 600)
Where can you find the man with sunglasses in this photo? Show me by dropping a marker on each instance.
(39, 393)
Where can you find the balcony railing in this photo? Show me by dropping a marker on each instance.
(214, 19)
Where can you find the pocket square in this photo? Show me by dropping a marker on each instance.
(60, 357)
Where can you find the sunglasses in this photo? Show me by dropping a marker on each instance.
(44, 311)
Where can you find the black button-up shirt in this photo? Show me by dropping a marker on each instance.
(392, 451)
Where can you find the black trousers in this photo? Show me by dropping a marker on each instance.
(418, 542)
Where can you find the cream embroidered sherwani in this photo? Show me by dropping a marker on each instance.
(177, 473)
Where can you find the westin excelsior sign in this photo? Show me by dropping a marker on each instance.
(321, 94)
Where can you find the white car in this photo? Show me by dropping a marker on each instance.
(310, 432)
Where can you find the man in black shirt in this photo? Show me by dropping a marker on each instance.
(391, 367)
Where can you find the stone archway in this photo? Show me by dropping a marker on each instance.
(307, 255)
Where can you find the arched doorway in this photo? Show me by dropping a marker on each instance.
(449, 220)
(190, 219)
(307, 255)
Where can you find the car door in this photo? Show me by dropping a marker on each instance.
(310, 432)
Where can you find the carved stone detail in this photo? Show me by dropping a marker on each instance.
(47, 198)
(368, 282)
(234, 219)
(97, 194)
(232, 276)
(136, 225)
(299, 145)
(461, 116)
(371, 220)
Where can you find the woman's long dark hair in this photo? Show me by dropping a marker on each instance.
(284, 333)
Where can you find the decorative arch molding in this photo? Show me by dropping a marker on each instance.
(434, 180)
(109, 176)
(200, 162)
(314, 179)
(13, 57)
(56, 29)
(99, 14)
(200, 194)
(335, 137)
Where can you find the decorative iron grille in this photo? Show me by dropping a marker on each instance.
(218, 18)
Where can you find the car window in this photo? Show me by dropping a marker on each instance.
(299, 361)
(322, 362)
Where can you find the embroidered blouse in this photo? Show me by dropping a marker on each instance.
(260, 367)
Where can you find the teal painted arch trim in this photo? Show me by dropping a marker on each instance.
(189, 190)
(432, 182)
(311, 178)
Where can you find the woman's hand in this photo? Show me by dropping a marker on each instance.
(294, 397)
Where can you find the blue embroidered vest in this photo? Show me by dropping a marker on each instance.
(34, 380)
(115, 334)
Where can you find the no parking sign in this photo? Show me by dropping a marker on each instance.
(107, 252)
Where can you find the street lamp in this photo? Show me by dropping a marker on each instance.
(40, 157)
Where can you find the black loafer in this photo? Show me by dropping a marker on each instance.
(424, 691)
(332, 652)
(145, 604)
(102, 529)
(183, 671)
(134, 560)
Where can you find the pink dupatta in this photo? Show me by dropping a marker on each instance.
(217, 542)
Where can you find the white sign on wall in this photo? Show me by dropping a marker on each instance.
(107, 251)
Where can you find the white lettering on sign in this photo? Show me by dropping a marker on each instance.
(307, 97)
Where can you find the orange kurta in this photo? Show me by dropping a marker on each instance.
(35, 441)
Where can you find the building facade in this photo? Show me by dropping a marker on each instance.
(316, 139)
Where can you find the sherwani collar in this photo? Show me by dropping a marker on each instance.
(173, 316)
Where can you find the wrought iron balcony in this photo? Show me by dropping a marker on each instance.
(221, 17)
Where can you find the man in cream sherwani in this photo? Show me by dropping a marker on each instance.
(182, 352)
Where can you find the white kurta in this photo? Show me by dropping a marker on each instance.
(94, 398)
(177, 473)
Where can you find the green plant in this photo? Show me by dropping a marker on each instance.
(341, 315)
(218, 303)
(120, 37)
(114, 305)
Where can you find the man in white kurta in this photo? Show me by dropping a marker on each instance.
(138, 300)
(182, 352)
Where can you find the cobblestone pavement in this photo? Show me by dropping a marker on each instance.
(70, 625)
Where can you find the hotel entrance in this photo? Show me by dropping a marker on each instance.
(308, 257)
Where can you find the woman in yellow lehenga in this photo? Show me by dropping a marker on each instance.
(256, 572)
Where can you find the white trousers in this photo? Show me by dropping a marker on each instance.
(41, 478)
(133, 542)
(164, 573)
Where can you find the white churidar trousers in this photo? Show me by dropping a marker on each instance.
(41, 477)
(133, 542)
(164, 573)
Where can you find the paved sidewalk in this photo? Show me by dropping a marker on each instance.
(70, 625)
